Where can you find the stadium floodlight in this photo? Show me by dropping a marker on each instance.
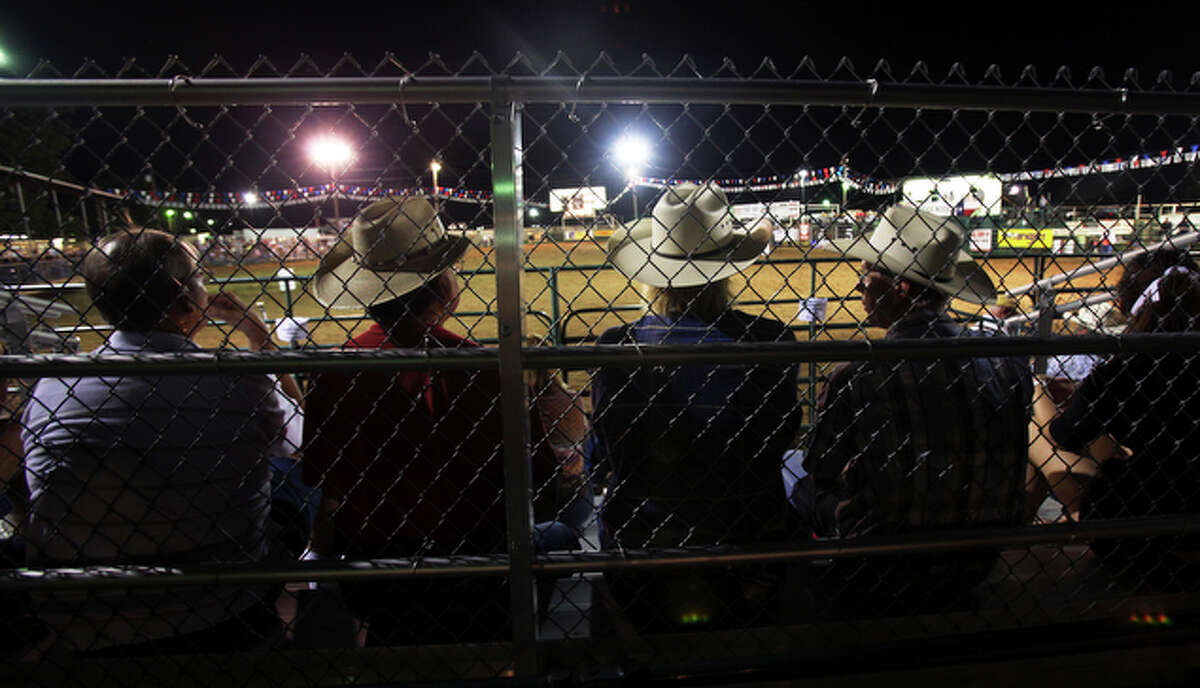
(335, 155)
(631, 152)
(330, 152)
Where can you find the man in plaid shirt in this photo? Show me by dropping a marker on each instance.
(902, 446)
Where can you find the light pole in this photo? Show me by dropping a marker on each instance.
(335, 155)
(435, 166)
(631, 153)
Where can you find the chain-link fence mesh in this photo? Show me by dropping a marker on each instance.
(785, 379)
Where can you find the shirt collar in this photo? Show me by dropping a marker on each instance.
(924, 322)
(153, 340)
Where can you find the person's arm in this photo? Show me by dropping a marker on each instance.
(829, 447)
(1094, 409)
(228, 307)
(321, 464)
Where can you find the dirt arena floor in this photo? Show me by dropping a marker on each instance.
(587, 291)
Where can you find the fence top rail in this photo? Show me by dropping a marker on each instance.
(579, 357)
(141, 576)
(200, 91)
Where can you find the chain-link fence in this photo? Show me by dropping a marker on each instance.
(377, 375)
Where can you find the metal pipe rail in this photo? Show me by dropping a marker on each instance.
(870, 92)
(1180, 241)
(488, 358)
(129, 577)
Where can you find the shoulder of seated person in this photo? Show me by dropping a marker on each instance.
(762, 328)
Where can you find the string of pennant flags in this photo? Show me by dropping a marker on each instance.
(1164, 157)
(300, 195)
(796, 180)
(804, 178)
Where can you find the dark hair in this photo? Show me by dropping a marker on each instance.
(413, 306)
(136, 276)
(1178, 307)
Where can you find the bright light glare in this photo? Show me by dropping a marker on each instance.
(211, 222)
(3, 59)
(330, 152)
(632, 174)
(435, 166)
(187, 214)
(631, 151)
(250, 197)
(533, 212)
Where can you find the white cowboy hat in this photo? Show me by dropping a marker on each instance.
(1102, 318)
(688, 240)
(924, 248)
(391, 248)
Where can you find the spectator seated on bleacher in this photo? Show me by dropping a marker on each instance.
(913, 445)
(154, 469)
(694, 451)
(1149, 403)
(411, 463)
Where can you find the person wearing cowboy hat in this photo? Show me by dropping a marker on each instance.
(998, 311)
(693, 452)
(410, 462)
(910, 445)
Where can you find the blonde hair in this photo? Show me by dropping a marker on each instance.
(706, 301)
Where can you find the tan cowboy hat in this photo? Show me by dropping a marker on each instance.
(924, 248)
(688, 240)
(391, 248)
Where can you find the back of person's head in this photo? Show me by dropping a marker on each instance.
(426, 306)
(1160, 291)
(708, 302)
(136, 276)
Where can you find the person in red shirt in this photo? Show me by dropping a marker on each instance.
(411, 463)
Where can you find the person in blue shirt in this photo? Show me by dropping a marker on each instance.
(693, 452)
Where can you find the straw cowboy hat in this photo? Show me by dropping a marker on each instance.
(924, 248)
(1004, 300)
(391, 248)
(688, 240)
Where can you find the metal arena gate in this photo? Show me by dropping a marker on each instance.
(217, 159)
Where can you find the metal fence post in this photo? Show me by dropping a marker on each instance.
(510, 233)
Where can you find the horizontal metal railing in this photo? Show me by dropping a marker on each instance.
(869, 92)
(59, 365)
(134, 576)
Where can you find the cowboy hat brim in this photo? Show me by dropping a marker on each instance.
(970, 282)
(341, 281)
(631, 250)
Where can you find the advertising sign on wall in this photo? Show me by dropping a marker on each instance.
(981, 240)
(974, 195)
(1025, 238)
(578, 202)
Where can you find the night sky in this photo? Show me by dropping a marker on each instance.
(1150, 34)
